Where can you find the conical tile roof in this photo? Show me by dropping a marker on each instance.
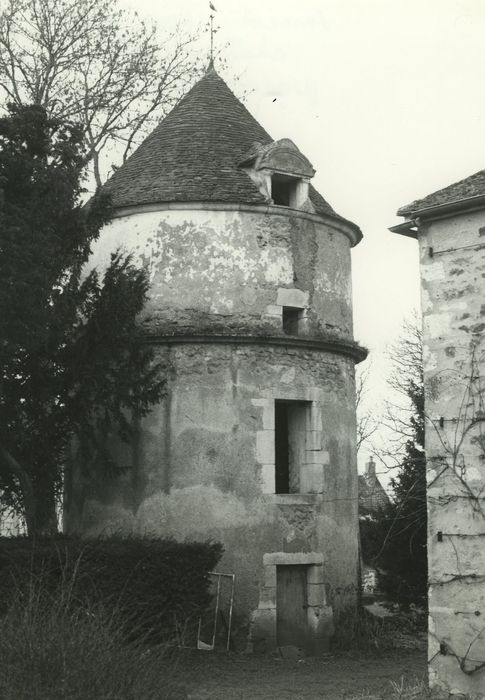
(193, 154)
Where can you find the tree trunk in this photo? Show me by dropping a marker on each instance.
(38, 498)
(45, 521)
(26, 487)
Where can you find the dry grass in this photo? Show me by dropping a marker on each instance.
(406, 690)
(52, 648)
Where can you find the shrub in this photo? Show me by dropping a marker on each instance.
(53, 649)
(155, 585)
(359, 630)
(403, 572)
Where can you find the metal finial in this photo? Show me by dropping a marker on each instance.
(213, 31)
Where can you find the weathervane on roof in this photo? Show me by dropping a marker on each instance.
(213, 31)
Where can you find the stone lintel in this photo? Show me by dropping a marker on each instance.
(293, 558)
(292, 297)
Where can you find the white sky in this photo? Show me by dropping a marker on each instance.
(387, 100)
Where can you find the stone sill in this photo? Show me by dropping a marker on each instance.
(296, 499)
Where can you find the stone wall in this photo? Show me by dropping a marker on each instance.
(452, 252)
(202, 469)
(232, 270)
(203, 464)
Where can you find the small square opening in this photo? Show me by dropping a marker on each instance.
(291, 317)
(283, 190)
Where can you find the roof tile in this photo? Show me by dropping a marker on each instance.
(193, 154)
(472, 186)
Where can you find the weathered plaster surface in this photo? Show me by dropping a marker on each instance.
(221, 271)
(200, 470)
(203, 465)
(453, 275)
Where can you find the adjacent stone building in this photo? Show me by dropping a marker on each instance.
(450, 228)
(372, 495)
(251, 313)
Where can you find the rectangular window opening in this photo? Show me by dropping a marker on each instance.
(291, 318)
(290, 444)
(283, 190)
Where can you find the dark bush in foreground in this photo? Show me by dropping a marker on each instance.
(155, 586)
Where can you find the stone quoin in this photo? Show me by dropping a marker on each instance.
(250, 311)
(450, 228)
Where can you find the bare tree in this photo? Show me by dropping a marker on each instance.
(366, 421)
(405, 409)
(92, 62)
(402, 550)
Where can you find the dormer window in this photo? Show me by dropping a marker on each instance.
(280, 172)
(284, 190)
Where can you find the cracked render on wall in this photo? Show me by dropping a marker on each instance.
(203, 463)
(452, 252)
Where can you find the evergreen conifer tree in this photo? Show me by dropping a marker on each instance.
(71, 361)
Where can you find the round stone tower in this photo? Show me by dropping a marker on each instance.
(250, 310)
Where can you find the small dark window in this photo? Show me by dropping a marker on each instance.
(283, 190)
(291, 318)
(282, 475)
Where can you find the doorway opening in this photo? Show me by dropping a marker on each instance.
(291, 605)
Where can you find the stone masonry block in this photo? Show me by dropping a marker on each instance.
(315, 575)
(268, 484)
(292, 297)
(315, 594)
(274, 310)
(267, 413)
(264, 624)
(265, 446)
(314, 440)
(314, 393)
(317, 457)
(320, 621)
(314, 421)
(267, 598)
(270, 576)
(311, 478)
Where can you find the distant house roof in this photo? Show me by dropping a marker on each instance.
(467, 189)
(372, 495)
(194, 154)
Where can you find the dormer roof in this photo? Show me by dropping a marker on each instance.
(195, 154)
(280, 156)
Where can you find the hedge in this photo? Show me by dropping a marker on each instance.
(157, 586)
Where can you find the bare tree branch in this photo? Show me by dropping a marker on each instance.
(92, 62)
(366, 421)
